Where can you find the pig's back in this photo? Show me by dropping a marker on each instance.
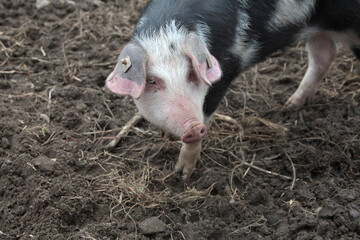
(213, 16)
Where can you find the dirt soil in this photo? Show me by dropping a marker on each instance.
(57, 180)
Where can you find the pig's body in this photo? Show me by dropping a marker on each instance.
(174, 37)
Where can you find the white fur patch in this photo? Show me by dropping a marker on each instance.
(141, 22)
(307, 33)
(249, 54)
(293, 12)
(166, 58)
(244, 3)
(158, 42)
(203, 30)
(242, 48)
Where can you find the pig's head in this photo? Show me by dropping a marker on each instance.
(168, 76)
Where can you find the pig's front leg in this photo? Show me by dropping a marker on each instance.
(189, 154)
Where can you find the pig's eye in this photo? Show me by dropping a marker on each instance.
(151, 81)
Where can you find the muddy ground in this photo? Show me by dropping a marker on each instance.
(58, 182)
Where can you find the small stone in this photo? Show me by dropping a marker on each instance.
(346, 196)
(4, 84)
(44, 164)
(7, 161)
(42, 3)
(317, 238)
(81, 107)
(70, 2)
(339, 219)
(273, 219)
(151, 226)
(5, 143)
(283, 229)
(327, 212)
(354, 214)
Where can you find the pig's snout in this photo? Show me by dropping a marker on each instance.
(194, 133)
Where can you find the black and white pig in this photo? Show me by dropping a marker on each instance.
(185, 53)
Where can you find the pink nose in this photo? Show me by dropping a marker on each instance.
(194, 133)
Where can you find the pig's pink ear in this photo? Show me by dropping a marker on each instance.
(129, 75)
(206, 66)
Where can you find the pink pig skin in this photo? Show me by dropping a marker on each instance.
(123, 86)
(184, 113)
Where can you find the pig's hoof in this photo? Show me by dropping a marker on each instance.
(184, 169)
(189, 154)
(295, 101)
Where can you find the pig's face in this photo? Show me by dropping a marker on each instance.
(168, 75)
(173, 96)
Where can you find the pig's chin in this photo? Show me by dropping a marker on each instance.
(164, 126)
(187, 133)
(188, 127)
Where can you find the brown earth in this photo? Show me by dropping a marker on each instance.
(58, 182)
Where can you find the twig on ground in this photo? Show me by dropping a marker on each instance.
(108, 108)
(253, 121)
(25, 95)
(105, 131)
(181, 235)
(13, 71)
(76, 79)
(128, 215)
(49, 102)
(260, 169)
(260, 222)
(53, 134)
(294, 171)
(124, 131)
(232, 174)
(226, 118)
(248, 169)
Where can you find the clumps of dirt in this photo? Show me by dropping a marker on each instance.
(266, 172)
